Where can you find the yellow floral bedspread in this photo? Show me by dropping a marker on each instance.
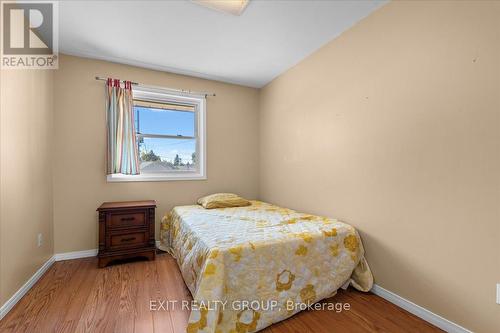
(250, 267)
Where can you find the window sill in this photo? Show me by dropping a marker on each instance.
(154, 178)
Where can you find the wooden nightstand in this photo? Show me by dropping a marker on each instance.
(126, 230)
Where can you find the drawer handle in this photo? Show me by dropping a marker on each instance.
(127, 239)
(128, 218)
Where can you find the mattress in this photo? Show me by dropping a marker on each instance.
(249, 267)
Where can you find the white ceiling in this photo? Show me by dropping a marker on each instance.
(182, 37)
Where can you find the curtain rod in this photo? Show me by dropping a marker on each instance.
(204, 93)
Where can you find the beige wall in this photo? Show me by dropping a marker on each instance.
(80, 148)
(26, 184)
(394, 127)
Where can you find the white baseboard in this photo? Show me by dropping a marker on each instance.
(409, 306)
(25, 288)
(75, 255)
(419, 311)
(81, 254)
(32, 280)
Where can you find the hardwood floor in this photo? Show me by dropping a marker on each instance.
(76, 296)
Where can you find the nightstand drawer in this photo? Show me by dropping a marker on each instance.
(122, 220)
(139, 238)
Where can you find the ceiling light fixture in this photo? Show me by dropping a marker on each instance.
(233, 7)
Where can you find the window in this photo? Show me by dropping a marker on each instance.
(170, 132)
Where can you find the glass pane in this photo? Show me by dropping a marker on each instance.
(159, 155)
(166, 122)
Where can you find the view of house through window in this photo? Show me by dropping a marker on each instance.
(166, 137)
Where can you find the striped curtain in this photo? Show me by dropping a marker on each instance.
(123, 156)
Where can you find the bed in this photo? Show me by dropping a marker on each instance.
(249, 267)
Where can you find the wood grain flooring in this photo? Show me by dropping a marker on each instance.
(76, 296)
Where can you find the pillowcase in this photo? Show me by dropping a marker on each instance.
(222, 200)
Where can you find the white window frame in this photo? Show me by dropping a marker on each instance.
(166, 96)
